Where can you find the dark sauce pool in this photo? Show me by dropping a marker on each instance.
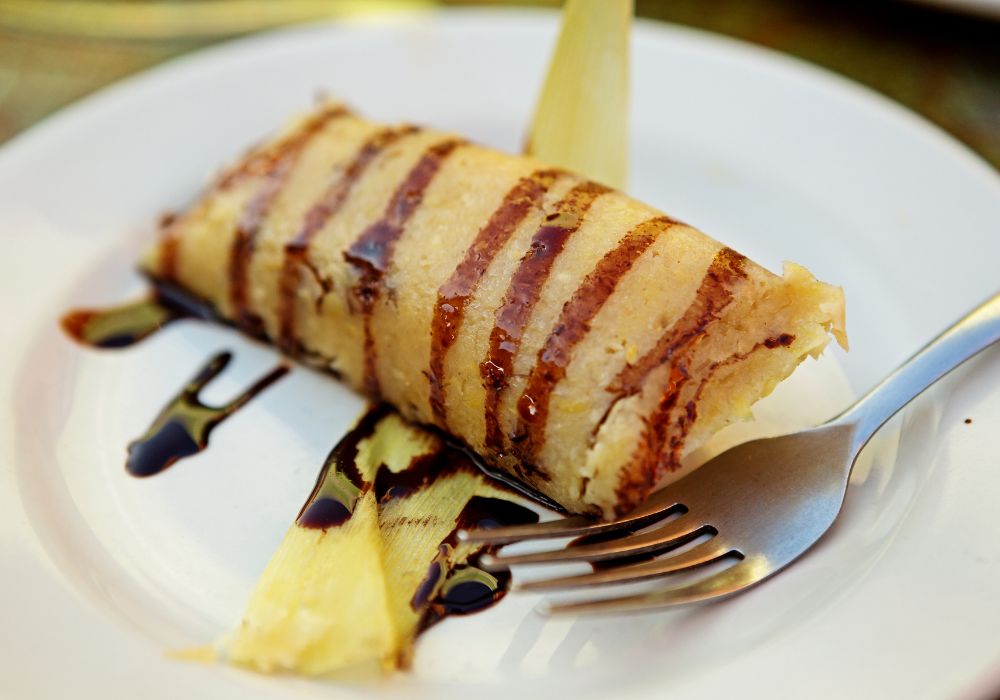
(183, 426)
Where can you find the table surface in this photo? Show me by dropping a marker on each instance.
(943, 66)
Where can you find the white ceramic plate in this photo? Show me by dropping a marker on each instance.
(100, 573)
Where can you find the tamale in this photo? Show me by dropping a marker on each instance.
(571, 335)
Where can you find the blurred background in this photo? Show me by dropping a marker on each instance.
(941, 58)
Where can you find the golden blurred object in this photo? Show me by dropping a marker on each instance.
(171, 19)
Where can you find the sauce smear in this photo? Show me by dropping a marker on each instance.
(339, 484)
(461, 588)
(572, 327)
(454, 295)
(127, 324)
(454, 583)
(184, 425)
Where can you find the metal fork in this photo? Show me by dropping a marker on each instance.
(763, 503)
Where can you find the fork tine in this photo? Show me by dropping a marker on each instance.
(550, 529)
(655, 508)
(704, 553)
(659, 505)
(676, 531)
(746, 573)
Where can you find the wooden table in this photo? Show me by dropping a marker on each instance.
(945, 67)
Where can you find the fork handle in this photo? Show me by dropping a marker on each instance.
(975, 332)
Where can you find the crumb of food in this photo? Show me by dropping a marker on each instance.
(200, 654)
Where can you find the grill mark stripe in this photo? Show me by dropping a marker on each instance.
(712, 296)
(297, 250)
(343, 456)
(372, 252)
(523, 293)
(572, 327)
(255, 162)
(276, 169)
(454, 294)
(686, 420)
(674, 348)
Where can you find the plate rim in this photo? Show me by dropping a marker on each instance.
(861, 94)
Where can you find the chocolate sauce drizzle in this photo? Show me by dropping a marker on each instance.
(169, 247)
(571, 327)
(339, 479)
(297, 250)
(127, 324)
(660, 446)
(713, 295)
(183, 427)
(340, 484)
(120, 326)
(449, 587)
(277, 168)
(373, 250)
(466, 588)
(454, 294)
(687, 418)
(522, 294)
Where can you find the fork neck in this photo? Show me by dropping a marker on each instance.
(972, 334)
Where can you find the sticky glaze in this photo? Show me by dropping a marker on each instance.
(465, 588)
(454, 294)
(297, 250)
(453, 584)
(571, 327)
(339, 483)
(372, 252)
(521, 297)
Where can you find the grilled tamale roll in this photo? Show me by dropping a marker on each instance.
(571, 335)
